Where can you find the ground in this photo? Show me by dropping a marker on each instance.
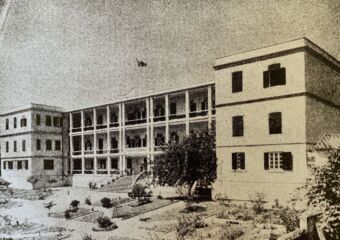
(156, 220)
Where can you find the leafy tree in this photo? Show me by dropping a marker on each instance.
(323, 194)
(186, 162)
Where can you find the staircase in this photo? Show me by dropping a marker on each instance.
(121, 185)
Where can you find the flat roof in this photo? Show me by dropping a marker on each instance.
(266, 52)
(28, 107)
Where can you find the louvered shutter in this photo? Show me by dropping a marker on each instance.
(282, 76)
(234, 161)
(266, 161)
(265, 79)
(243, 160)
(287, 160)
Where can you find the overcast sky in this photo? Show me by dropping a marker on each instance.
(78, 53)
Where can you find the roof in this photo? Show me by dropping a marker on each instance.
(271, 51)
(28, 107)
(328, 141)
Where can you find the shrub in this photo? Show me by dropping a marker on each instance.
(67, 214)
(187, 224)
(75, 204)
(88, 201)
(190, 207)
(88, 237)
(90, 184)
(5, 183)
(106, 202)
(104, 222)
(139, 192)
(32, 179)
(257, 201)
(290, 219)
(231, 232)
(223, 200)
(52, 180)
(223, 214)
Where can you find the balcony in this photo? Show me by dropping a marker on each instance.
(78, 129)
(86, 171)
(159, 148)
(101, 126)
(88, 128)
(159, 119)
(198, 114)
(135, 121)
(76, 171)
(135, 149)
(88, 152)
(102, 151)
(116, 150)
(176, 116)
(114, 124)
(74, 153)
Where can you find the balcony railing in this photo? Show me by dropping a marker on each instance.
(114, 150)
(199, 114)
(176, 116)
(135, 121)
(89, 171)
(101, 126)
(101, 171)
(135, 149)
(77, 129)
(88, 128)
(102, 151)
(88, 152)
(159, 148)
(114, 124)
(159, 118)
(76, 171)
(76, 153)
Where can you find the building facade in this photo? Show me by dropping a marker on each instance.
(31, 140)
(273, 104)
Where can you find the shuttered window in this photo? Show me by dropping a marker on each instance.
(274, 76)
(173, 108)
(278, 160)
(275, 123)
(237, 122)
(237, 82)
(238, 161)
(48, 164)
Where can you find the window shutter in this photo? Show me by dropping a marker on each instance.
(265, 79)
(234, 161)
(266, 161)
(243, 161)
(282, 76)
(287, 158)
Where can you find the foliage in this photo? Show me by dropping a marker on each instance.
(88, 201)
(49, 205)
(88, 237)
(257, 200)
(186, 162)
(187, 225)
(190, 207)
(323, 194)
(67, 213)
(32, 179)
(104, 222)
(290, 219)
(106, 202)
(75, 204)
(5, 183)
(139, 192)
(231, 232)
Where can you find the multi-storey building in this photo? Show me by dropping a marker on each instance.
(126, 136)
(31, 140)
(273, 104)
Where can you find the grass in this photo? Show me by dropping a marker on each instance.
(81, 212)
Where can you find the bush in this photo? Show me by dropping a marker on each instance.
(230, 232)
(106, 202)
(5, 183)
(139, 192)
(258, 201)
(32, 179)
(88, 201)
(104, 222)
(52, 180)
(87, 237)
(67, 214)
(75, 204)
(290, 219)
(187, 225)
(190, 207)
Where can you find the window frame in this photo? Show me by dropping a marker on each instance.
(278, 161)
(57, 145)
(269, 79)
(237, 82)
(46, 164)
(48, 144)
(7, 124)
(23, 122)
(15, 146)
(48, 121)
(15, 122)
(238, 126)
(238, 161)
(38, 144)
(23, 145)
(275, 123)
(38, 119)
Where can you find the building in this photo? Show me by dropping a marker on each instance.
(125, 137)
(272, 106)
(31, 140)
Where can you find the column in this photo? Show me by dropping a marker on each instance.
(167, 118)
(71, 142)
(187, 112)
(147, 124)
(95, 141)
(108, 140)
(82, 143)
(152, 138)
(209, 107)
(122, 133)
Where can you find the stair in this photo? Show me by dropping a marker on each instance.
(121, 185)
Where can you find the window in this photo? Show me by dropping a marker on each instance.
(278, 160)
(23, 122)
(204, 105)
(159, 140)
(237, 82)
(173, 108)
(88, 122)
(48, 164)
(5, 165)
(237, 126)
(114, 143)
(174, 137)
(7, 124)
(38, 120)
(24, 145)
(57, 145)
(14, 146)
(26, 164)
(7, 146)
(38, 144)
(114, 163)
(238, 161)
(10, 165)
(114, 118)
(88, 145)
(48, 120)
(193, 106)
(274, 76)
(102, 163)
(275, 123)
(56, 122)
(100, 120)
(15, 122)
(19, 165)
(48, 145)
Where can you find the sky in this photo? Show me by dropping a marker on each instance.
(80, 53)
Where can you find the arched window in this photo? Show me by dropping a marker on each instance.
(88, 145)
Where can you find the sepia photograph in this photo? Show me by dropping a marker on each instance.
(170, 119)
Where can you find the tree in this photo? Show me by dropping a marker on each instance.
(323, 194)
(189, 161)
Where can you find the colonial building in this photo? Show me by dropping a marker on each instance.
(31, 140)
(273, 104)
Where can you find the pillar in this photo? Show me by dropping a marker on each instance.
(187, 110)
(167, 118)
(209, 107)
(95, 141)
(108, 165)
(82, 143)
